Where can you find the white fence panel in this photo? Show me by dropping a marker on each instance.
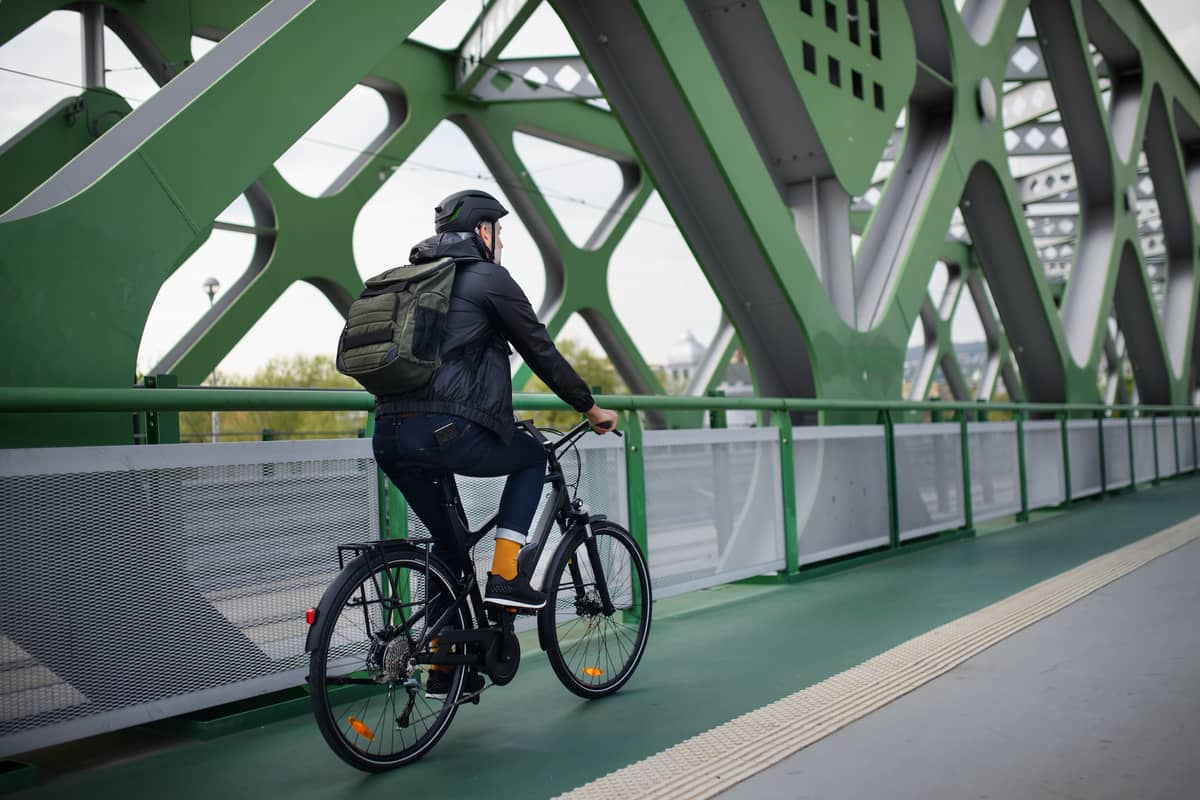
(841, 490)
(1143, 450)
(1116, 453)
(929, 478)
(1187, 444)
(1044, 463)
(714, 506)
(995, 473)
(1164, 432)
(1196, 437)
(1083, 438)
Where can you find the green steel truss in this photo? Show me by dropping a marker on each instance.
(763, 125)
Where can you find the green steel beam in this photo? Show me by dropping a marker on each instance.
(37, 152)
(54, 399)
(136, 221)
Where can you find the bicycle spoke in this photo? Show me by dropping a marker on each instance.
(379, 628)
(594, 653)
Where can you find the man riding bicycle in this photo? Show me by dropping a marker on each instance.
(462, 420)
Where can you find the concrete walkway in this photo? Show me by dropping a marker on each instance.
(1101, 700)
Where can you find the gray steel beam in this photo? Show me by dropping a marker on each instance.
(1114, 351)
(642, 89)
(716, 358)
(1016, 289)
(927, 366)
(821, 208)
(91, 21)
(1134, 305)
(1025, 61)
(1028, 102)
(482, 45)
(1069, 64)
(1177, 237)
(551, 78)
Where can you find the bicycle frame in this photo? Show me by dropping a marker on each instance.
(559, 509)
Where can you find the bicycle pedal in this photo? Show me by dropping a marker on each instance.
(473, 697)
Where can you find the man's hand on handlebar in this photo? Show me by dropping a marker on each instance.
(601, 419)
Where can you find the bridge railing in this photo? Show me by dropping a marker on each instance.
(149, 581)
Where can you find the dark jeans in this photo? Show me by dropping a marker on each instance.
(476, 452)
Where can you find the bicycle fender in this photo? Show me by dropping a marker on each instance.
(310, 640)
(386, 545)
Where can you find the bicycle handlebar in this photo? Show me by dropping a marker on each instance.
(573, 434)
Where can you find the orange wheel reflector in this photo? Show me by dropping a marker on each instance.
(593, 672)
(310, 616)
(361, 728)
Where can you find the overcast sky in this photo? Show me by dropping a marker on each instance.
(653, 262)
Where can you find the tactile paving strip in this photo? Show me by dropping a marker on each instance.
(712, 762)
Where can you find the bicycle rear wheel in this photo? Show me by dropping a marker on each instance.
(593, 653)
(368, 699)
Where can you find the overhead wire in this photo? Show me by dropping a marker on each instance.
(403, 162)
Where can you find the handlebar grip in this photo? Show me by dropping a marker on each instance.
(608, 426)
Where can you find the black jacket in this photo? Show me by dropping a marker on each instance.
(487, 309)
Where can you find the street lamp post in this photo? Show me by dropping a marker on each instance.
(211, 286)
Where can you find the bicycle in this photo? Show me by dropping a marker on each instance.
(395, 610)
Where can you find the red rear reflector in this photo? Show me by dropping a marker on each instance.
(310, 616)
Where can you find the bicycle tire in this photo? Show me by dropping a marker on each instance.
(334, 716)
(584, 660)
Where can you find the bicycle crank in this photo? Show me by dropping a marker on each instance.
(502, 656)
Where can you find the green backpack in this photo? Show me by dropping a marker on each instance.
(392, 340)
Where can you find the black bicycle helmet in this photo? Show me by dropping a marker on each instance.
(463, 211)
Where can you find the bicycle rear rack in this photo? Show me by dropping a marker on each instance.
(349, 552)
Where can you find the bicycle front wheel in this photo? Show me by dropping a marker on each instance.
(592, 652)
(369, 699)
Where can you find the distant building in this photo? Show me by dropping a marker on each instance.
(737, 383)
(684, 358)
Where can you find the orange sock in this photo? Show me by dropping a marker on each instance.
(504, 561)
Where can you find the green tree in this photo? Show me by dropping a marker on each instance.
(319, 372)
(595, 369)
(291, 372)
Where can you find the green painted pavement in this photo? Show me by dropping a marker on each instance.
(708, 661)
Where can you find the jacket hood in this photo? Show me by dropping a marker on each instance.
(441, 245)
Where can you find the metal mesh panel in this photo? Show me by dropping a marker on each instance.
(841, 490)
(714, 506)
(1083, 438)
(146, 581)
(1165, 433)
(929, 478)
(1143, 450)
(1187, 444)
(995, 475)
(1116, 453)
(1044, 464)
